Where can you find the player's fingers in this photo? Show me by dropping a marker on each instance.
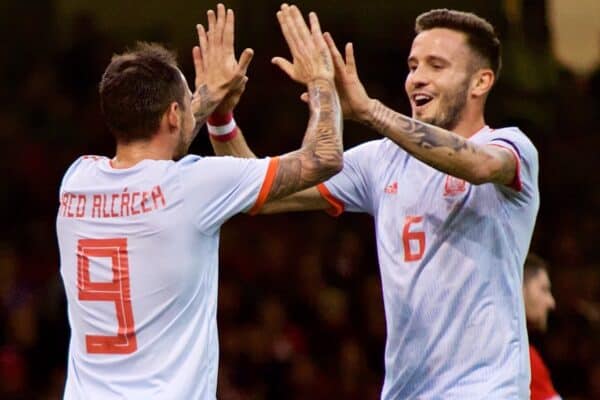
(297, 44)
(350, 61)
(198, 62)
(212, 23)
(285, 29)
(304, 97)
(202, 42)
(245, 59)
(221, 17)
(228, 34)
(285, 66)
(302, 31)
(338, 61)
(315, 29)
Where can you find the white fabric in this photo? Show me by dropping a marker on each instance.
(161, 248)
(455, 316)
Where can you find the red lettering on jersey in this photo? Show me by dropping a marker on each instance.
(158, 195)
(133, 210)
(112, 204)
(105, 213)
(63, 205)
(96, 205)
(145, 198)
(125, 203)
(71, 196)
(80, 209)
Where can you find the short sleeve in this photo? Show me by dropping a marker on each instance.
(350, 190)
(217, 188)
(525, 182)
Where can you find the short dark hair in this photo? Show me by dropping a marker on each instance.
(533, 265)
(481, 35)
(136, 89)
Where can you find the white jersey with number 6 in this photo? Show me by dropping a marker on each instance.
(451, 261)
(138, 258)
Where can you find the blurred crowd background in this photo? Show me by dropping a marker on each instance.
(300, 308)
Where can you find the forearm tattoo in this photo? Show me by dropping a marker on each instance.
(432, 145)
(320, 156)
(204, 104)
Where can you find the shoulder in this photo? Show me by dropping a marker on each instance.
(82, 163)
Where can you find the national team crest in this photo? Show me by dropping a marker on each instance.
(454, 186)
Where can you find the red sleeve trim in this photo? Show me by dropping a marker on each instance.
(337, 207)
(266, 186)
(516, 183)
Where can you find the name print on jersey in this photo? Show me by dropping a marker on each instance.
(111, 205)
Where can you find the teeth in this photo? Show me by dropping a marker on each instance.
(422, 97)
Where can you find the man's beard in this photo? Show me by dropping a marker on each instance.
(449, 116)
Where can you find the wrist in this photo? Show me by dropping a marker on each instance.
(222, 127)
(366, 114)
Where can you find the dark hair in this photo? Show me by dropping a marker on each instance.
(481, 36)
(533, 265)
(136, 89)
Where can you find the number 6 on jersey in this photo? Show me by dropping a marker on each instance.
(117, 291)
(415, 237)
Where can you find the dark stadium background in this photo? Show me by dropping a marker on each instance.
(300, 310)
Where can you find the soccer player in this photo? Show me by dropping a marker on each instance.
(454, 203)
(539, 301)
(139, 233)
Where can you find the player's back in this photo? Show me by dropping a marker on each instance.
(141, 283)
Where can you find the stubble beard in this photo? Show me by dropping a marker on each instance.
(451, 112)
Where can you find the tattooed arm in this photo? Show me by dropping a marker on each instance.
(442, 149)
(320, 156)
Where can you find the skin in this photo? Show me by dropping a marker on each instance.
(538, 300)
(441, 66)
(220, 80)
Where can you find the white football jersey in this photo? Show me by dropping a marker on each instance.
(451, 261)
(138, 259)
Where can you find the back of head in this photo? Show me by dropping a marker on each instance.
(481, 36)
(136, 89)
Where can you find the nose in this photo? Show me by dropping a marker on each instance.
(418, 78)
(552, 303)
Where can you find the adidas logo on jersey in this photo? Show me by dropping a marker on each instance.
(391, 188)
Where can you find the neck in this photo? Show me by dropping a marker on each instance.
(129, 154)
(471, 122)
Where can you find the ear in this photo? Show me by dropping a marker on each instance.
(173, 116)
(482, 82)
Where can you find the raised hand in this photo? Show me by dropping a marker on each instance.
(353, 97)
(218, 73)
(310, 56)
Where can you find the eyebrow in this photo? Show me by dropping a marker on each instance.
(429, 58)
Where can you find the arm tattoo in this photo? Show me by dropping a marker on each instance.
(441, 149)
(424, 135)
(320, 156)
(203, 105)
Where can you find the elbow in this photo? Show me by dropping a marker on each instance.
(485, 173)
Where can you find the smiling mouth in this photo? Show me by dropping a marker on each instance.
(421, 99)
